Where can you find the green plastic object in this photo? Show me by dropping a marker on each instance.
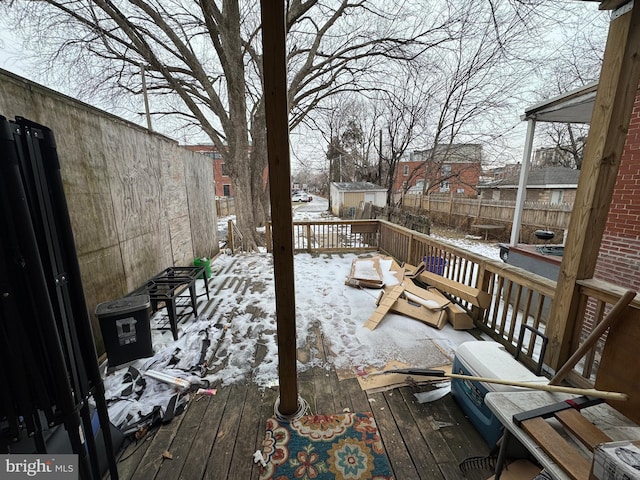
(206, 263)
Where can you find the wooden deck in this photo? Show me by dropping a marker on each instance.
(216, 436)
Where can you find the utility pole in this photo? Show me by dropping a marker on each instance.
(146, 98)
(380, 159)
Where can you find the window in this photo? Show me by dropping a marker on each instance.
(226, 189)
(217, 155)
(225, 173)
(556, 196)
(405, 170)
(444, 186)
(445, 170)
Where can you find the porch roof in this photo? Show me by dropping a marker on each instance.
(575, 106)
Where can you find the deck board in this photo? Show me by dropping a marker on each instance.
(184, 439)
(401, 462)
(247, 436)
(152, 459)
(205, 437)
(225, 441)
(422, 458)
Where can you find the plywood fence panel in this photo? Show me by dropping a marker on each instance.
(136, 205)
(202, 206)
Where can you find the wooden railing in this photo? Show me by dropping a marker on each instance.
(235, 239)
(520, 300)
(333, 236)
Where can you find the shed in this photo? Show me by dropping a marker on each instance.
(345, 195)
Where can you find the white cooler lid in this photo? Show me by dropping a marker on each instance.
(491, 360)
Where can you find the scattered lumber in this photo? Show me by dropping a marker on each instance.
(459, 318)
(475, 296)
(427, 305)
(433, 318)
(384, 305)
(366, 272)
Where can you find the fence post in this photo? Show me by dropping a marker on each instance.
(230, 234)
(267, 234)
(309, 238)
(410, 248)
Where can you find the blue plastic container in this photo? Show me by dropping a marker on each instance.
(434, 264)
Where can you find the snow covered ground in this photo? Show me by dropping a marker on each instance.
(220, 346)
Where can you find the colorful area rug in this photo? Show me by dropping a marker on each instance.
(321, 447)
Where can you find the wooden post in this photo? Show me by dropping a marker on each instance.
(276, 112)
(267, 235)
(230, 235)
(609, 124)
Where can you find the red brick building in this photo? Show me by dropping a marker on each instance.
(220, 174)
(619, 257)
(449, 169)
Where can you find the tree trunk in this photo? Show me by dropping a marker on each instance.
(259, 161)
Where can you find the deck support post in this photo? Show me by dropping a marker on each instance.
(616, 93)
(276, 110)
(522, 184)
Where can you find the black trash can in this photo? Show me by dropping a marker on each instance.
(126, 330)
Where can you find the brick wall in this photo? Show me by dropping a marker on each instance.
(619, 258)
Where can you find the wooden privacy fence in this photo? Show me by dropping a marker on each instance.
(225, 206)
(519, 300)
(456, 211)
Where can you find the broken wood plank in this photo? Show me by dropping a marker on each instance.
(426, 295)
(459, 318)
(366, 272)
(585, 431)
(475, 296)
(573, 463)
(384, 306)
(411, 271)
(433, 318)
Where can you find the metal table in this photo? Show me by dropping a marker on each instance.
(168, 285)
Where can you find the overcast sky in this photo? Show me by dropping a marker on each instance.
(308, 148)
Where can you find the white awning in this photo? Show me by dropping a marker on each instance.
(572, 107)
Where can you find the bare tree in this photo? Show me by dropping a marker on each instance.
(203, 63)
(576, 66)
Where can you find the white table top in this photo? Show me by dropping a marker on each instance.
(505, 404)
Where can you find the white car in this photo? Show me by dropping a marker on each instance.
(301, 197)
